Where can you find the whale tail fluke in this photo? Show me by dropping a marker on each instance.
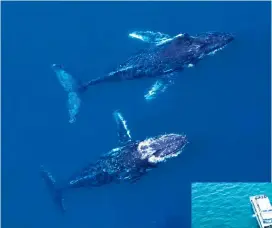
(71, 86)
(74, 88)
(55, 192)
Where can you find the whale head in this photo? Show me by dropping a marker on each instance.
(211, 42)
(161, 148)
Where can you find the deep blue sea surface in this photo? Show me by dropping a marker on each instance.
(223, 105)
(226, 205)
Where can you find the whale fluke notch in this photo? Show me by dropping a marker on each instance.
(122, 129)
(71, 86)
(149, 36)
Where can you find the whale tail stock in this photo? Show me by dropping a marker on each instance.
(56, 193)
(112, 77)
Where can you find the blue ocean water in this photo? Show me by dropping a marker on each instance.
(226, 205)
(223, 105)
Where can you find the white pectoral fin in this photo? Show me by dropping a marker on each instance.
(122, 129)
(149, 36)
(160, 86)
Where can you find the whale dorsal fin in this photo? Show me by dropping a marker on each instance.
(150, 37)
(182, 37)
(122, 130)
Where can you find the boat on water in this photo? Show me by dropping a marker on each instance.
(262, 209)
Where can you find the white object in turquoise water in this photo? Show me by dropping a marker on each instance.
(262, 209)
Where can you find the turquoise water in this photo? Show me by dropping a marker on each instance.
(225, 205)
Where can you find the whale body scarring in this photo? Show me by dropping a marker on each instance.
(128, 162)
(162, 60)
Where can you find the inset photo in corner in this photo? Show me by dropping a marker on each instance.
(231, 205)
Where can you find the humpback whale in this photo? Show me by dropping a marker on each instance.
(164, 57)
(128, 162)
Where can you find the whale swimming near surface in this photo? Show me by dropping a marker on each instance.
(131, 160)
(162, 60)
